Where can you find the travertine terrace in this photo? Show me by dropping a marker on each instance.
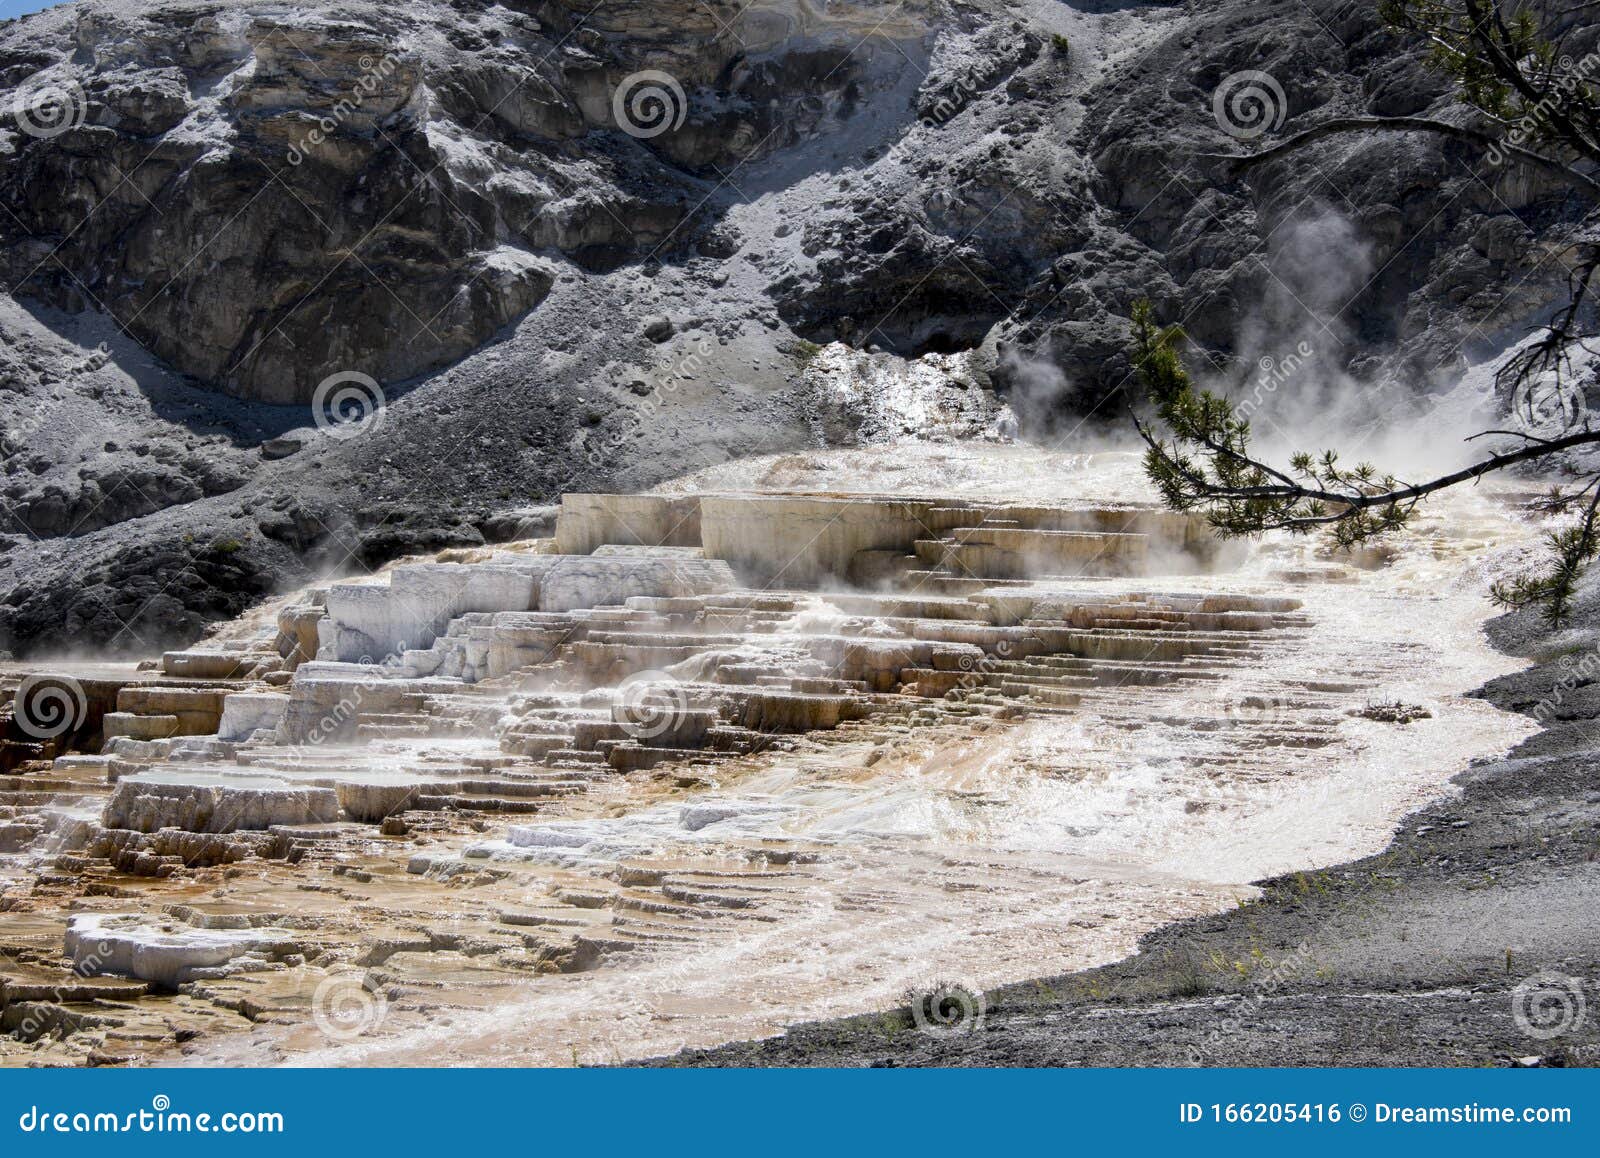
(644, 755)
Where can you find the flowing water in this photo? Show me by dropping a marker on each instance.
(1011, 851)
(635, 912)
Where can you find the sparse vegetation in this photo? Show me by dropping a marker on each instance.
(943, 1003)
(804, 352)
(1187, 979)
(892, 1024)
(1540, 109)
(1394, 712)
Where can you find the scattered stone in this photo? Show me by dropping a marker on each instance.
(1393, 713)
(274, 449)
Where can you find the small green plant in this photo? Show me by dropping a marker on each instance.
(890, 1025)
(942, 1005)
(1304, 884)
(1060, 45)
(804, 352)
(1186, 978)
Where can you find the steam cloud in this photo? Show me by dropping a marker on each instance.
(1289, 376)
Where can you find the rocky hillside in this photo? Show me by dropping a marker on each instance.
(546, 245)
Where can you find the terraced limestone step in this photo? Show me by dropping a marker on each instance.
(519, 679)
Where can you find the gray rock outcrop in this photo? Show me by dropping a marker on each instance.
(564, 247)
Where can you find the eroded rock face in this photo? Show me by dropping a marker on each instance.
(826, 249)
(267, 199)
(756, 77)
(261, 239)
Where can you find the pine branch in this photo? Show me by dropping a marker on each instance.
(1207, 465)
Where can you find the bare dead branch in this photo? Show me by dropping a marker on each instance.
(1340, 125)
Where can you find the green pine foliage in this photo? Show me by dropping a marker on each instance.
(1542, 104)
